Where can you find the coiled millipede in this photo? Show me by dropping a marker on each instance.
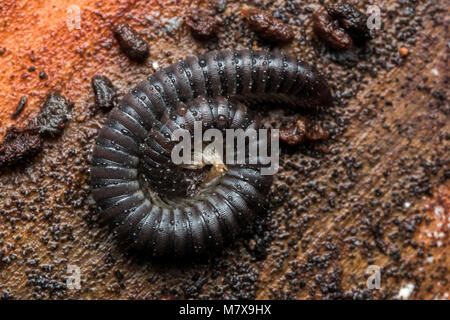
(149, 201)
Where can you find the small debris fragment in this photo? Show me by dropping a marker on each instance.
(131, 42)
(266, 26)
(221, 6)
(202, 25)
(342, 25)
(54, 114)
(22, 102)
(316, 132)
(19, 144)
(293, 135)
(353, 21)
(105, 93)
(303, 130)
(43, 75)
(330, 32)
(404, 51)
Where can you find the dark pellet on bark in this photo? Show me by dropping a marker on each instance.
(131, 42)
(352, 20)
(42, 75)
(316, 132)
(54, 114)
(302, 130)
(202, 25)
(105, 93)
(221, 6)
(329, 31)
(293, 135)
(22, 102)
(20, 144)
(266, 26)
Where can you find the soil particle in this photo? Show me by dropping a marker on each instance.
(22, 102)
(221, 6)
(42, 75)
(302, 130)
(267, 26)
(330, 32)
(341, 26)
(130, 42)
(20, 144)
(202, 25)
(105, 93)
(353, 21)
(54, 114)
(403, 51)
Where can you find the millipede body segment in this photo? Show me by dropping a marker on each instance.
(163, 209)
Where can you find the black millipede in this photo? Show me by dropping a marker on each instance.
(165, 210)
